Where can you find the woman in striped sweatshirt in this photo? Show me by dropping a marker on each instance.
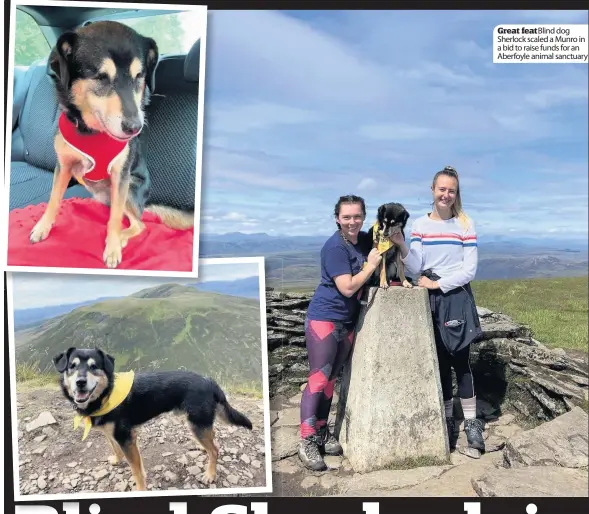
(443, 253)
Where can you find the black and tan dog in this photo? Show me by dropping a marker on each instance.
(391, 219)
(117, 403)
(103, 74)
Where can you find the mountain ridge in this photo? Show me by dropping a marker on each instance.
(247, 288)
(162, 327)
(294, 261)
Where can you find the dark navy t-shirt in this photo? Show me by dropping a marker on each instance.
(338, 258)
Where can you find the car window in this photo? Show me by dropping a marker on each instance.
(175, 33)
(30, 44)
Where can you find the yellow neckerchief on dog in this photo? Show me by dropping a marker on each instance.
(383, 243)
(120, 391)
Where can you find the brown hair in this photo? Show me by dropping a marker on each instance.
(457, 210)
(349, 199)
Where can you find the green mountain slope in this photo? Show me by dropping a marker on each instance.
(164, 327)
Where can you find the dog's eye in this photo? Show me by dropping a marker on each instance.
(103, 77)
(140, 75)
(72, 365)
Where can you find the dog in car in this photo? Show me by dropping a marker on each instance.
(104, 74)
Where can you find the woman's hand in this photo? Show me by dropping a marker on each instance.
(374, 258)
(398, 238)
(427, 283)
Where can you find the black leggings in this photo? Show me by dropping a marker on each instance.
(461, 364)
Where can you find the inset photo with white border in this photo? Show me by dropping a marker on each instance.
(140, 386)
(104, 138)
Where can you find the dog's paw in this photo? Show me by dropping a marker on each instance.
(209, 477)
(40, 231)
(113, 252)
(407, 284)
(113, 460)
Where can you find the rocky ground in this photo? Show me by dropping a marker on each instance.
(54, 459)
(549, 460)
(533, 400)
(511, 368)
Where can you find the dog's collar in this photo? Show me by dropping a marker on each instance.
(383, 244)
(123, 383)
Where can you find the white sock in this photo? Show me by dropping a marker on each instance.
(469, 407)
(449, 408)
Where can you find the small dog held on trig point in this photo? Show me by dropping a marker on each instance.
(391, 219)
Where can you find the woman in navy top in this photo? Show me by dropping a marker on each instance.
(347, 262)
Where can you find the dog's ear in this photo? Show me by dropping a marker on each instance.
(61, 57)
(380, 216)
(151, 60)
(381, 211)
(406, 216)
(109, 362)
(60, 361)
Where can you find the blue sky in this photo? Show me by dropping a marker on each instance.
(43, 289)
(302, 107)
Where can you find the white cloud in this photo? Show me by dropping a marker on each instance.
(234, 216)
(545, 98)
(394, 131)
(257, 115)
(309, 106)
(367, 184)
(271, 50)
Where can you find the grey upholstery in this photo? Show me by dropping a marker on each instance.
(170, 135)
(192, 63)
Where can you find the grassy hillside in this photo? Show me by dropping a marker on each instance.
(166, 327)
(554, 308)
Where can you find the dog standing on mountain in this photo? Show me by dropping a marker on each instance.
(118, 403)
(103, 74)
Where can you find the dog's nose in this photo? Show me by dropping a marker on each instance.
(131, 127)
(81, 382)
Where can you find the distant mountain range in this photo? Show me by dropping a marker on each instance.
(293, 262)
(30, 317)
(165, 327)
(246, 288)
(237, 244)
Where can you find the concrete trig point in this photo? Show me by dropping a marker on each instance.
(391, 406)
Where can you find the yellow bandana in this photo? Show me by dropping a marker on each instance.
(384, 243)
(120, 391)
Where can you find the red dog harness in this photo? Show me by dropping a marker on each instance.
(100, 148)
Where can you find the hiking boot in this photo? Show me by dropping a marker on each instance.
(474, 433)
(328, 443)
(451, 426)
(310, 455)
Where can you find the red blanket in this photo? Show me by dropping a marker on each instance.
(78, 236)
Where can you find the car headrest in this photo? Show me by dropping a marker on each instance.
(192, 63)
